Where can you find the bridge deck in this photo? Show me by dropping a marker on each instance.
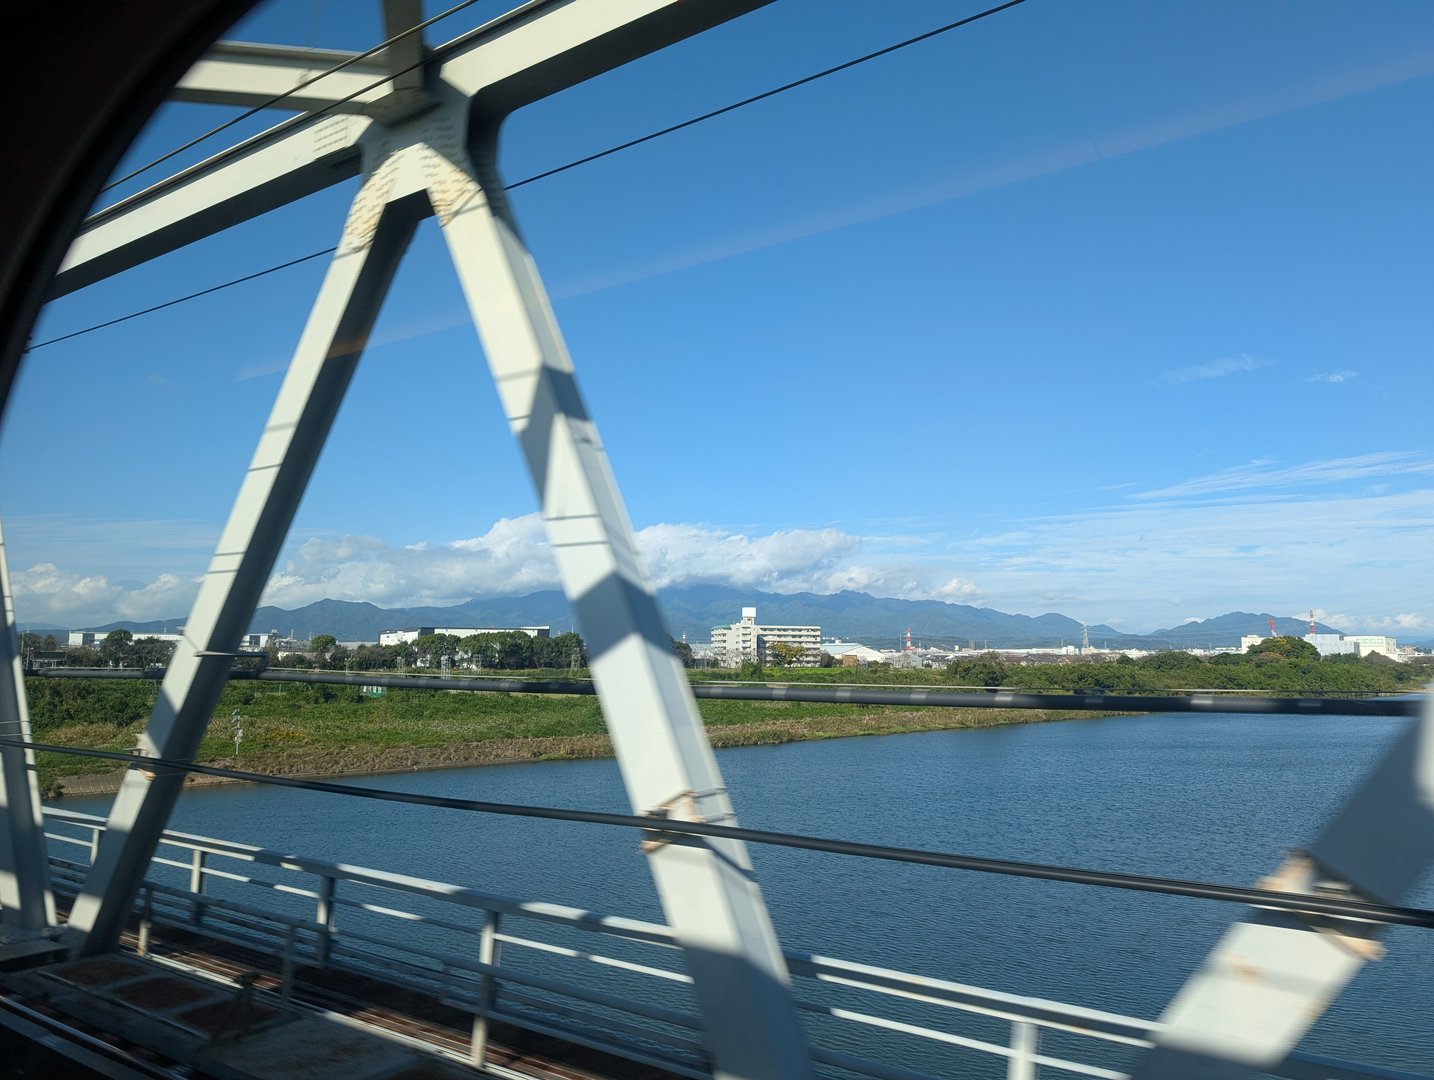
(184, 1003)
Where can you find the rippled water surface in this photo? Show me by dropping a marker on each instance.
(1194, 797)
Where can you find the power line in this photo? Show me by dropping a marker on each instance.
(281, 98)
(664, 827)
(183, 299)
(769, 93)
(527, 180)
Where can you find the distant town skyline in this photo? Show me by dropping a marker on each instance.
(1116, 311)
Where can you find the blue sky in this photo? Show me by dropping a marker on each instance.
(1114, 309)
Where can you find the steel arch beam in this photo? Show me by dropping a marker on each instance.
(337, 330)
(709, 893)
(27, 905)
(427, 164)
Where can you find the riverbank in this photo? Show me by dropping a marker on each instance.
(319, 761)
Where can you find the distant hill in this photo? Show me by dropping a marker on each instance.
(877, 621)
(1228, 629)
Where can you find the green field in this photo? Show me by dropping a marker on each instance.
(301, 729)
(294, 729)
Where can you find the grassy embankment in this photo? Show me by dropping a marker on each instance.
(314, 730)
(292, 729)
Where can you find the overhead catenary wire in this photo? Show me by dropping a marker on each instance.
(186, 298)
(764, 95)
(666, 828)
(545, 174)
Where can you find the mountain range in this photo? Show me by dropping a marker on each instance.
(693, 610)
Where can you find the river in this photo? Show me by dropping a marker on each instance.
(1208, 798)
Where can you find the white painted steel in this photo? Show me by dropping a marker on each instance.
(1273, 975)
(707, 887)
(1025, 1044)
(288, 449)
(459, 974)
(259, 175)
(1382, 839)
(405, 53)
(27, 907)
(545, 46)
(443, 161)
(250, 75)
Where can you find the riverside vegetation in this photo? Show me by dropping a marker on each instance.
(315, 729)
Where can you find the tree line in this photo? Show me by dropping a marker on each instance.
(1278, 663)
(119, 649)
(508, 650)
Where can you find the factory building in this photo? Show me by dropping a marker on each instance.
(411, 634)
(1355, 645)
(1368, 644)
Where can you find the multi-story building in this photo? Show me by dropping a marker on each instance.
(746, 641)
(1375, 643)
(1355, 644)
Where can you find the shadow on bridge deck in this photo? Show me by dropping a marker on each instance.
(216, 1010)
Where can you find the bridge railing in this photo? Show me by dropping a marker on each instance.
(603, 981)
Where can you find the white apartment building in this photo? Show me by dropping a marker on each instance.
(746, 641)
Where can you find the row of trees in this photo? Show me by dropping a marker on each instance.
(1280, 663)
(120, 649)
(510, 650)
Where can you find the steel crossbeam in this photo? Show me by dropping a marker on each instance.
(262, 174)
(1273, 974)
(442, 160)
(240, 73)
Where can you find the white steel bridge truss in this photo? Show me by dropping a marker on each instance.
(421, 127)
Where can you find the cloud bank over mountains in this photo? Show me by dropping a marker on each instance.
(1346, 536)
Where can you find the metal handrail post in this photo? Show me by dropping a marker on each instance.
(1025, 1044)
(146, 921)
(324, 916)
(286, 984)
(490, 953)
(197, 865)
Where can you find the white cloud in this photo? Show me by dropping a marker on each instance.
(1264, 536)
(1404, 623)
(1266, 474)
(789, 560)
(1213, 369)
(513, 557)
(165, 597)
(46, 594)
(1334, 377)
